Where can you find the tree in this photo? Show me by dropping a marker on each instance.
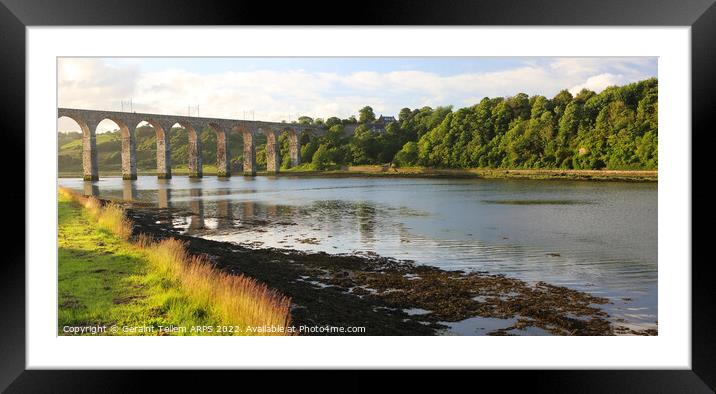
(305, 120)
(404, 114)
(364, 147)
(366, 115)
(560, 101)
(322, 158)
(332, 121)
(408, 155)
(308, 150)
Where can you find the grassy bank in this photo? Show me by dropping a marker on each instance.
(424, 172)
(487, 173)
(107, 277)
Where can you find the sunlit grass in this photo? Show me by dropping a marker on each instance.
(237, 299)
(106, 276)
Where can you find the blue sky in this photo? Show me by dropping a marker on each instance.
(284, 88)
(443, 66)
(440, 66)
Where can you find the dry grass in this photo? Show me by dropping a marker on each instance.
(236, 299)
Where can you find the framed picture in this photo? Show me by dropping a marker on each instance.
(431, 186)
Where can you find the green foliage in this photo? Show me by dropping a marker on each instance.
(332, 121)
(408, 155)
(366, 115)
(305, 120)
(615, 129)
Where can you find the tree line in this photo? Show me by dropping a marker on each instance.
(614, 129)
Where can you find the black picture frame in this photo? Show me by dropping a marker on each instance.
(16, 15)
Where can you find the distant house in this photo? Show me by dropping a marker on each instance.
(383, 121)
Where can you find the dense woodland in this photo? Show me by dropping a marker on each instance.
(615, 129)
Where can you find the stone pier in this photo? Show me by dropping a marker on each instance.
(195, 166)
(223, 159)
(273, 159)
(164, 154)
(249, 154)
(129, 154)
(89, 154)
(294, 148)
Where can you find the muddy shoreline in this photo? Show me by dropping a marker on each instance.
(392, 297)
(638, 176)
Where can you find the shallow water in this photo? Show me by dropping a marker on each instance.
(599, 237)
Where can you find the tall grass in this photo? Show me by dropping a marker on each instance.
(236, 300)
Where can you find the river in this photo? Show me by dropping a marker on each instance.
(597, 237)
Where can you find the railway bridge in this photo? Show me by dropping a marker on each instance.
(127, 122)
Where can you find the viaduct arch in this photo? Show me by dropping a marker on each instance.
(127, 122)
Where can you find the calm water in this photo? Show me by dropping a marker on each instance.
(591, 236)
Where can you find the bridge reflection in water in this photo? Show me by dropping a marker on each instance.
(129, 190)
(195, 212)
(164, 194)
(196, 221)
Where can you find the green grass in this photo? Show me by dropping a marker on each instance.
(100, 139)
(206, 169)
(104, 280)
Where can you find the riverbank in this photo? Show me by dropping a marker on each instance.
(423, 172)
(207, 170)
(486, 173)
(112, 281)
(391, 297)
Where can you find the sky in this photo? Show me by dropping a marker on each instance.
(278, 89)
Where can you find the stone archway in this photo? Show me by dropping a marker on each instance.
(89, 148)
(273, 157)
(129, 147)
(163, 154)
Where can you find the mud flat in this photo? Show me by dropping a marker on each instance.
(393, 297)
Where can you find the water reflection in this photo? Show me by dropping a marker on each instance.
(272, 211)
(196, 205)
(224, 214)
(248, 211)
(366, 221)
(129, 190)
(91, 189)
(164, 193)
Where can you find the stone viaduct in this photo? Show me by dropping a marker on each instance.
(127, 122)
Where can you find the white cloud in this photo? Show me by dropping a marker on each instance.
(597, 83)
(277, 95)
(90, 81)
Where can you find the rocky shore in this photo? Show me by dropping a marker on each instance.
(392, 297)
